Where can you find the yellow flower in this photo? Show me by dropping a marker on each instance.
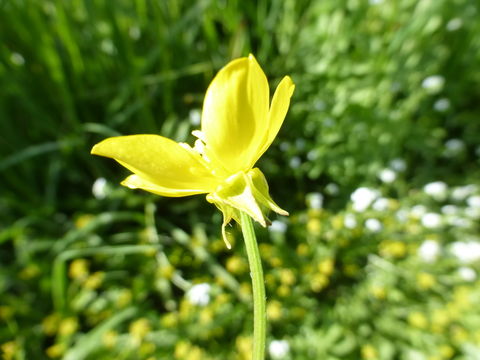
(238, 125)
(418, 320)
(8, 350)
(369, 352)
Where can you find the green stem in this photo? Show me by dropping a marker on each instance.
(258, 285)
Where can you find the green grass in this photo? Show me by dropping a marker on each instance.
(105, 278)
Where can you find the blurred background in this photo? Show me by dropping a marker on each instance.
(377, 163)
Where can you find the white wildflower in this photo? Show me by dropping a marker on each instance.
(17, 59)
(199, 294)
(442, 105)
(431, 220)
(466, 252)
(300, 144)
(467, 273)
(472, 212)
(108, 47)
(278, 226)
(381, 204)
(278, 349)
(315, 200)
(449, 209)
(462, 192)
(458, 221)
(437, 190)
(474, 201)
(387, 175)
(134, 32)
(374, 225)
(349, 221)
(285, 146)
(453, 147)
(332, 189)
(99, 188)
(402, 215)
(195, 116)
(454, 24)
(418, 211)
(433, 84)
(295, 162)
(429, 251)
(363, 197)
(398, 165)
(312, 155)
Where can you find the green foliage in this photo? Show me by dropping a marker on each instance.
(386, 98)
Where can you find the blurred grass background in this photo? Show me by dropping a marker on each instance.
(377, 163)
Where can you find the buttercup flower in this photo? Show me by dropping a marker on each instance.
(238, 125)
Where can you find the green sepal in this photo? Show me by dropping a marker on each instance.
(247, 192)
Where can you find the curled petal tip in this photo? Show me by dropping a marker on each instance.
(282, 212)
(225, 237)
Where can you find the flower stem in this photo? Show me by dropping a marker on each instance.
(258, 285)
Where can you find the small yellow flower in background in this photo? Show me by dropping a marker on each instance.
(238, 125)
(369, 352)
(165, 271)
(446, 351)
(139, 328)
(274, 310)
(319, 282)
(458, 335)
(181, 349)
(95, 280)
(314, 226)
(78, 269)
(244, 346)
(169, 320)
(8, 350)
(284, 291)
(124, 298)
(378, 292)
(147, 348)
(68, 326)
(287, 277)
(441, 318)
(425, 280)
(236, 265)
(83, 220)
(29, 272)
(109, 339)
(50, 324)
(418, 320)
(187, 351)
(393, 248)
(6, 312)
(56, 350)
(303, 249)
(326, 266)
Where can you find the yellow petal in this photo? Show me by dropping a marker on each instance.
(137, 182)
(278, 111)
(162, 166)
(235, 112)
